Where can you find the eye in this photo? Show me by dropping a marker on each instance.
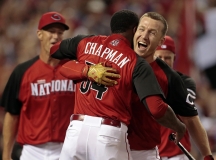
(153, 32)
(141, 29)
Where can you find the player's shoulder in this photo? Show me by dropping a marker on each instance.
(82, 37)
(165, 67)
(22, 67)
(184, 76)
(188, 81)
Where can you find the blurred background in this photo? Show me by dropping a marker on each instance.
(192, 24)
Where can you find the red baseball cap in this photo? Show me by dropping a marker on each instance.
(168, 44)
(50, 18)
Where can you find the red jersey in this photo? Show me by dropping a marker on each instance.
(142, 136)
(112, 102)
(43, 98)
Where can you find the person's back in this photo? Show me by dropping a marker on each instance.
(102, 110)
(105, 101)
(106, 137)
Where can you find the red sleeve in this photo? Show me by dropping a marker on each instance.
(156, 106)
(74, 70)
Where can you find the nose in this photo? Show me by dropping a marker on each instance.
(144, 35)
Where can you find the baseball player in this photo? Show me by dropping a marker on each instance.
(98, 128)
(169, 150)
(38, 100)
(143, 139)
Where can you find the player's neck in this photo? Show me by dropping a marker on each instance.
(150, 58)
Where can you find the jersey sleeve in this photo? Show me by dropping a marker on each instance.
(144, 80)
(189, 82)
(67, 49)
(10, 97)
(74, 70)
(181, 98)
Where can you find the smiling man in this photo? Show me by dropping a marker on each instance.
(38, 100)
(145, 134)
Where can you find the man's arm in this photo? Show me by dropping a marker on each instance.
(198, 134)
(150, 94)
(67, 48)
(10, 126)
(101, 73)
(164, 115)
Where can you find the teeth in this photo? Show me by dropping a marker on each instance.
(143, 43)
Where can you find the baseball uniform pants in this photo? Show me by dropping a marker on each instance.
(152, 154)
(178, 157)
(89, 139)
(46, 151)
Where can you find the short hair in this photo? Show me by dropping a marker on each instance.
(158, 17)
(123, 20)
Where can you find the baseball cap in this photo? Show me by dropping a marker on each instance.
(50, 18)
(168, 44)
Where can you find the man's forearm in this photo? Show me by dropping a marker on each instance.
(198, 134)
(170, 120)
(9, 134)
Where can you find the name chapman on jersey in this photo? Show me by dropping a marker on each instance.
(42, 89)
(107, 53)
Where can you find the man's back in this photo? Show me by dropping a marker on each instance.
(113, 102)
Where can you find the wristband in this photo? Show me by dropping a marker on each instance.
(209, 157)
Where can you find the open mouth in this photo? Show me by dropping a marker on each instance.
(142, 45)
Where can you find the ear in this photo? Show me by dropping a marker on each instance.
(161, 41)
(134, 29)
(39, 34)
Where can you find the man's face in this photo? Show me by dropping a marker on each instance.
(166, 55)
(50, 35)
(147, 37)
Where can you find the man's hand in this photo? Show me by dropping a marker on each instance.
(103, 75)
(178, 136)
(180, 133)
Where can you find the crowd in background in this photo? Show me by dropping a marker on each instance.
(191, 24)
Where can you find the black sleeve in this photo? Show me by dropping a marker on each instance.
(188, 81)
(180, 98)
(10, 97)
(144, 80)
(68, 48)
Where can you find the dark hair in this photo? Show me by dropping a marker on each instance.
(123, 20)
(158, 17)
